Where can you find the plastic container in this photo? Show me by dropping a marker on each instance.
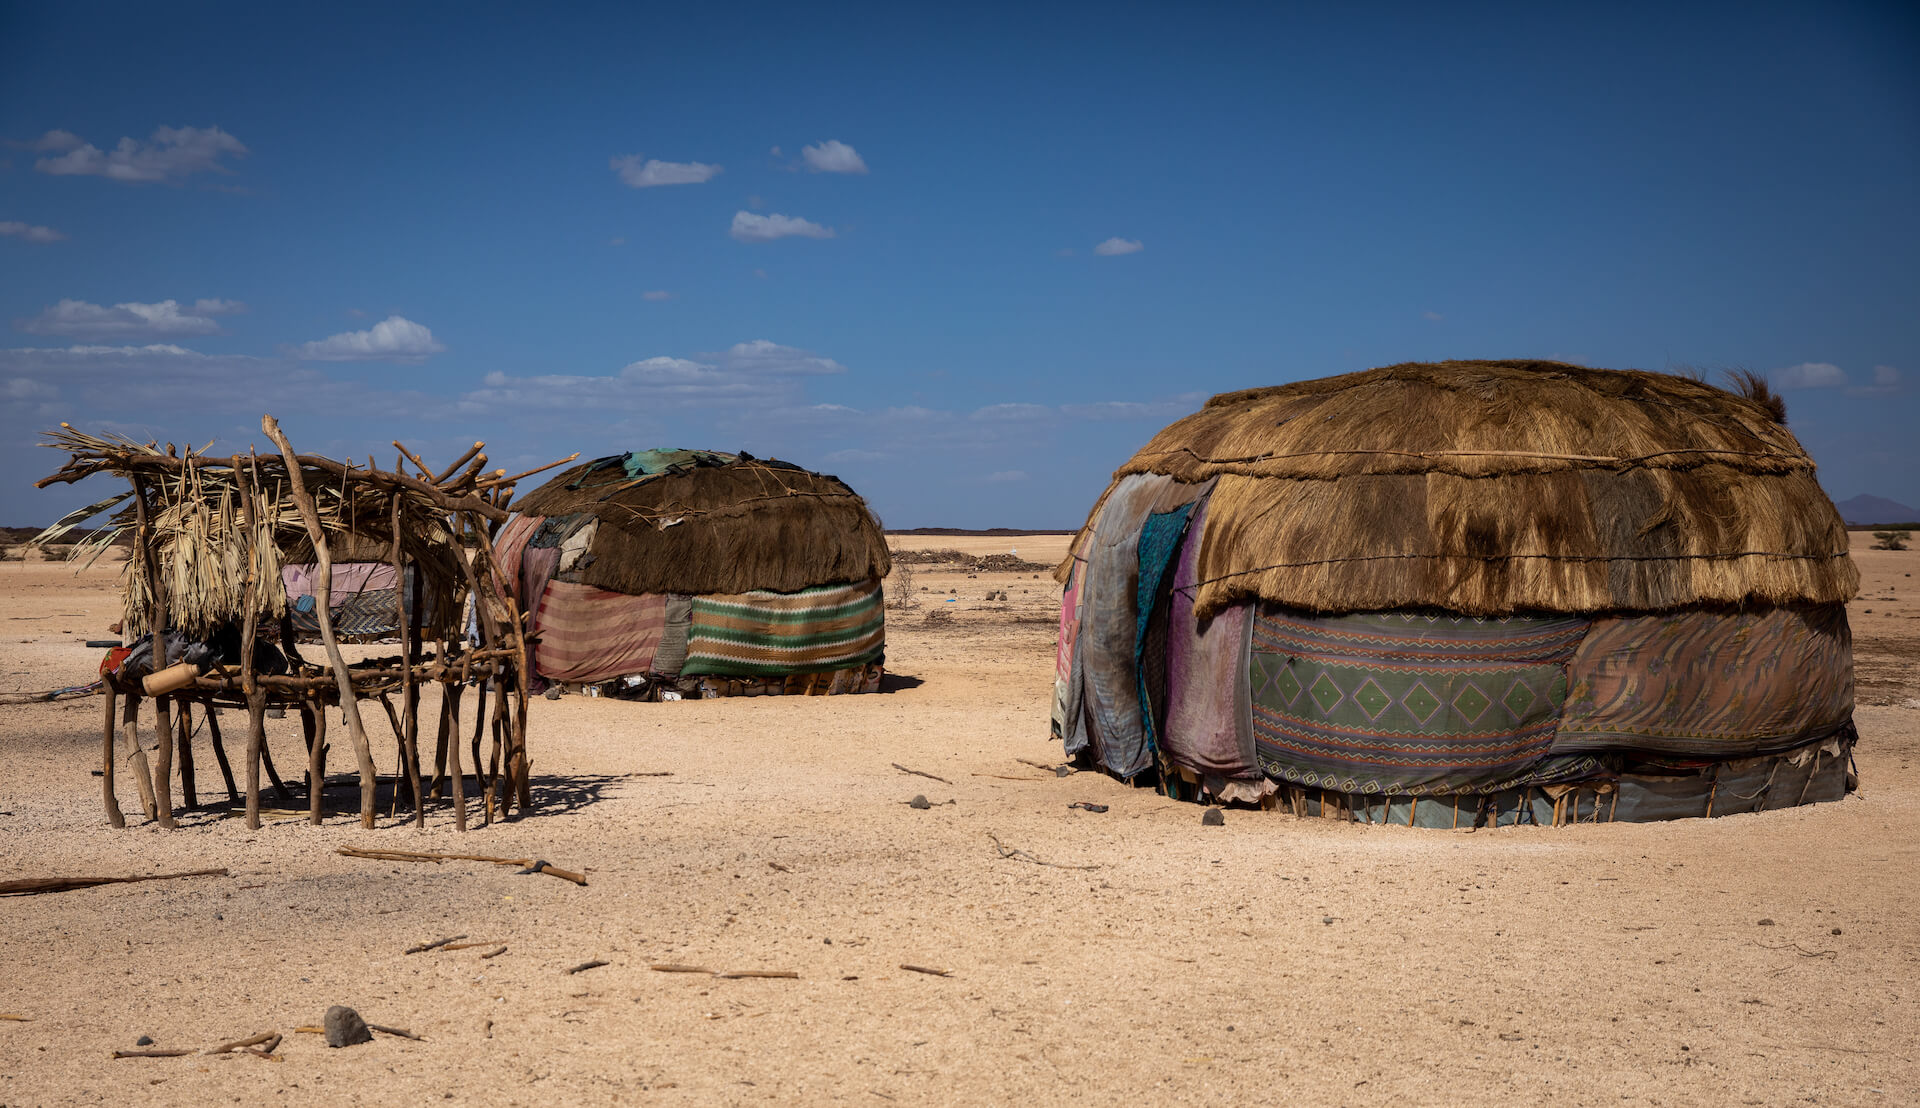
(171, 679)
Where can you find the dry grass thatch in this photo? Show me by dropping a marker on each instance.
(746, 524)
(1494, 487)
(198, 513)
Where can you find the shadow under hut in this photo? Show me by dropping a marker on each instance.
(212, 540)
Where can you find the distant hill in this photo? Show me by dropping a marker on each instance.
(1869, 511)
(957, 531)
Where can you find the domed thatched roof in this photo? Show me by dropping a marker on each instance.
(1488, 488)
(700, 522)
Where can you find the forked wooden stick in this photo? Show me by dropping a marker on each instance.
(24, 886)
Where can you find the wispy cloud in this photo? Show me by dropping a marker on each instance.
(393, 339)
(172, 154)
(1116, 246)
(749, 227)
(1432, 317)
(1024, 413)
(832, 156)
(650, 173)
(29, 232)
(758, 373)
(1886, 379)
(1810, 375)
(82, 320)
(656, 295)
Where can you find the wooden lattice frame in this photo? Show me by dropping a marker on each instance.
(439, 525)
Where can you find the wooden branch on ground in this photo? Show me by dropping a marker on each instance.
(675, 967)
(435, 945)
(384, 1030)
(918, 773)
(532, 865)
(777, 973)
(151, 1053)
(585, 966)
(271, 1039)
(25, 886)
(926, 970)
(1019, 855)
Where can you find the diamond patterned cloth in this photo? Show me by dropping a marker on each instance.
(1406, 702)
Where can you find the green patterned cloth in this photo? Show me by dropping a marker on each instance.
(1408, 702)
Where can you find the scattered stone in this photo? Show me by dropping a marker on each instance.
(1836, 930)
(553, 692)
(1764, 923)
(1067, 771)
(919, 802)
(345, 1027)
(1214, 817)
(144, 1040)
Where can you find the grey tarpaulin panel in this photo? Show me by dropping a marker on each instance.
(1110, 718)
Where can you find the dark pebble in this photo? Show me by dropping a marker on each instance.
(553, 693)
(345, 1027)
(144, 1040)
(1836, 930)
(1764, 923)
(1214, 818)
(916, 802)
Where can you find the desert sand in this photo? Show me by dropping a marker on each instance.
(1131, 953)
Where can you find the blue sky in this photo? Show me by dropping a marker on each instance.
(968, 258)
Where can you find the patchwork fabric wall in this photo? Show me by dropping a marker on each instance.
(1431, 703)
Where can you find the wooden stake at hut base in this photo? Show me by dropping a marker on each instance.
(211, 535)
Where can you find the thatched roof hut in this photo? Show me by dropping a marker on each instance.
(1478, 495)
(668, 565)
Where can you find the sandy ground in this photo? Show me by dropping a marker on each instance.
(1757, 959)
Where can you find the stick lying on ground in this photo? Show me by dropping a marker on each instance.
(532, 865)
(1019, 855)
(675, 967)
(384, 1030)
(917, 773)
(782, 973)
(265, 1040)
(435, 945)
(585, 966)
(15, 1017)
(927, 970)
(151, 1053)
(26, 885)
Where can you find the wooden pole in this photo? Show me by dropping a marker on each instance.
(313, 720)
(188, 793)
(136, 756)
(409, 765)
(157, 596)
(110, 698)
(220, 751)
(479, 767)
(249, 636)
(256, 745)
(266, 757)
(516, 639)
(483, 617)
(296, 485)
(451, 741)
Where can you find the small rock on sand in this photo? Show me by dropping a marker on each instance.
(345, 1027)
(919, 802)
(1214, 818)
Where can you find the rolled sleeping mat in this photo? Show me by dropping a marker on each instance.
(171, 679)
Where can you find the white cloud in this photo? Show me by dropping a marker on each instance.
(29, 232)
(173, 153)
(656, 294)
(392, 339)
(1432, 317)
(1810, 375)
(80, 319)
(1116, 246)
(748, 227)
(617, 240)
(1013, 412)
(1886, 379)
(651, 173)
(748, 374)
(160, 378)
(1006, 475)
(1109, 411)
(832, 156)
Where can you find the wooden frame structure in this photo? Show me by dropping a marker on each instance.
(210, 534)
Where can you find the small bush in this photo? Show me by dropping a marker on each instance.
(1891, 540)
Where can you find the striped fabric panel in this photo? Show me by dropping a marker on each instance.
(1721, 684)
(588, 634)
(760, 632)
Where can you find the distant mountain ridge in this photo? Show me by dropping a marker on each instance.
(1867, 511)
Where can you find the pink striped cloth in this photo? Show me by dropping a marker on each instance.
(588, 634)
(348, 577)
